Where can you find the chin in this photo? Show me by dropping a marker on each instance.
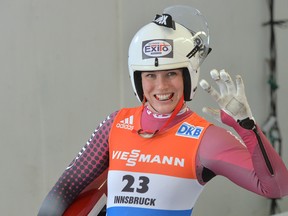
(165, 111)
(164, 107)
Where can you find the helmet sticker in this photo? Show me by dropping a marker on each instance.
(160, 48)
(164, 20)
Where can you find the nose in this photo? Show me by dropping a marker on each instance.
(162, 82)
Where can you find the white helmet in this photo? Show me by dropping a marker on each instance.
(166, 44)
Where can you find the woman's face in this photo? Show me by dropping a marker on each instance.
(162, 89)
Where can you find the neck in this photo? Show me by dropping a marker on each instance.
(152, 121)
(174, 114)
(150, 111)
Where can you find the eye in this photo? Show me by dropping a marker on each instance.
(171, 74)
(150, 75)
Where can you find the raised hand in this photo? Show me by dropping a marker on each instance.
(230, 98)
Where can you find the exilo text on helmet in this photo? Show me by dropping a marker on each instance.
(157, 48)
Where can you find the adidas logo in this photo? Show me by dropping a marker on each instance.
(127, 123)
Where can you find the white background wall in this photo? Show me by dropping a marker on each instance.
(63, 69)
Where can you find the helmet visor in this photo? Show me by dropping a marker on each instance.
(196, 23)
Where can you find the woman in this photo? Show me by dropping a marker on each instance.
(160, 155)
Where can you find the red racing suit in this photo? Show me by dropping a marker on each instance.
(154, 176)
(147, 182)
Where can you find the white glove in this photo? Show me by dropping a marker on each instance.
(231, 98)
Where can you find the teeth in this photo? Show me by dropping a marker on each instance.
(164, 97)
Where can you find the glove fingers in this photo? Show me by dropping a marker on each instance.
(225, 77)
(216, 77)
(240, 85)
(209, 89)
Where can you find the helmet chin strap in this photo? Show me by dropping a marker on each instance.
(150, 134)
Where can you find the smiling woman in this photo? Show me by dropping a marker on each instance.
(163, 90)
(160, 155)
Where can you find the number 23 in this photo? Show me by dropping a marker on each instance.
(143, 182)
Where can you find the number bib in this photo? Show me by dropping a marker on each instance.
(153, 176)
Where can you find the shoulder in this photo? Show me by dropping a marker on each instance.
(214, 132)
(128, 111)
(199, 120)
(217, 140)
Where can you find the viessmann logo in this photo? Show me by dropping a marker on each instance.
(135, 156)
(157, 48)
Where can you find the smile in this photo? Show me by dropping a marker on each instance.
(164, 97)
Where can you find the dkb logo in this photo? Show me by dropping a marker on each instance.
(190, 131)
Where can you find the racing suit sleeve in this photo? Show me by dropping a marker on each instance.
(242, 160)
(90, 162)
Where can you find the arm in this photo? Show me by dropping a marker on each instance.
(266, 171)
(224, 154)
(90, 162)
